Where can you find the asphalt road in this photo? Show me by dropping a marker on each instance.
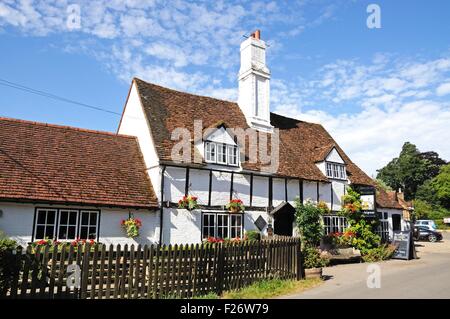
(427, 277)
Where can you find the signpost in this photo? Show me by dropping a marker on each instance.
(402, 242)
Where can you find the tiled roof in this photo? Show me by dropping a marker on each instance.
(387, 199)
(168, 109)
(50, 163)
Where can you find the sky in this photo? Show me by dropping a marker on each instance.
(372, 88)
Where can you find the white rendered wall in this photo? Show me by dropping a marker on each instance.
(220, 194)
(325, 193)
(134, 123)
(310, 191)
(260, 191)
(17, 223)
(199, 185)
(338, 192)
(241, 188)
(278, 192)
(293, 190)
(334, 156)
(182, 226)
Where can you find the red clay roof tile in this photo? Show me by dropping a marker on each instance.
(44, 162)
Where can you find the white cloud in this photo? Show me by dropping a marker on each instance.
(443, 89)
(391, 102)
(371, 109)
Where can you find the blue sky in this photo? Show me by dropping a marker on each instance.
(373, 89)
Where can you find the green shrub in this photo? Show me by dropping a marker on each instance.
(383, 252)
(253, 235)
(9, 262)
(313, 259)
(308, 220)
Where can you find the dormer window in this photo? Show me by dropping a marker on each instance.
(221, 153)
(336, 170)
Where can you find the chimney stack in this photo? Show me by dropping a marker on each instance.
(254, 83)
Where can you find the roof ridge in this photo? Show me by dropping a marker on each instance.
(183, 92)
(68, 127)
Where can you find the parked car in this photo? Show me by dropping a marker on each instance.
(430, 224)
(423, 233)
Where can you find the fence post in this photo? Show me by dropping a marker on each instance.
(220, 268)
(300, 274)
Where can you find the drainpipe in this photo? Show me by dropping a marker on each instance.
(161, 209)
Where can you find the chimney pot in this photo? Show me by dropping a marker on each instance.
(256, 34)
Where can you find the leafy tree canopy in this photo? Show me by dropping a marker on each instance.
(410, 170)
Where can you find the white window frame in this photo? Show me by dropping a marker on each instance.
(336, 224)
(210, 152)
(57, 222)
(209, 227)
(233, 155)
(335, 170)
(230, 152)
(234, 227)
(222, 153)
(36, 224)
(69, 211)
(96, 212)
(230, 227)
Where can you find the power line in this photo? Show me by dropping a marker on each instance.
(27, 89)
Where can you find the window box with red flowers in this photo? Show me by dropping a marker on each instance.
(235, 206)
(131, 226)
(188, 202)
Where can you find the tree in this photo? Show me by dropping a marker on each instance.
(410, 170)
(441, 185)
(433, 163)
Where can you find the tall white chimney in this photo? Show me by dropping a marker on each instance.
(254, 83)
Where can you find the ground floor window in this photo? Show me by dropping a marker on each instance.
(334, 224)
(66, 224)
(222, 225)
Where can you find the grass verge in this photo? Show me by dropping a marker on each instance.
(272, 288)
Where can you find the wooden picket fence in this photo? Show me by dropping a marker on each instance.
(178, 271)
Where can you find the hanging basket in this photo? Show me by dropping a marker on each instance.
(235, 206)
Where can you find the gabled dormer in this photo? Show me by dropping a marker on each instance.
(219, 147)
(331, 164)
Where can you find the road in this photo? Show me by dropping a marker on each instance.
(427, 277)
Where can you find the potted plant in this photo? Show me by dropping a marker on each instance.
(235, 206)
(131, 226)
(313, 261)
(188, 202)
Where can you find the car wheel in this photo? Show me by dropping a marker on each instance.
(432, 238)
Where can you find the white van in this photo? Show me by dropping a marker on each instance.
(430, 224)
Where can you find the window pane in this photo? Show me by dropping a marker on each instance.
(41, 217)
(40, 232)
(50, 217)
(85, 219)
(63, 217)
(73, 218)
(49, 231)
(93, 219)
(71, 233)
(92, 232)
(62, 232)
(84, 232)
